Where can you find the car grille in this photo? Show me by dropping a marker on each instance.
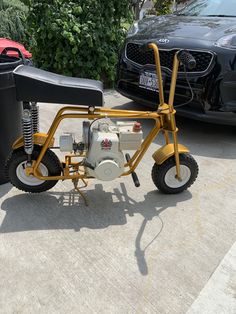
(135, 54)
(135, 90)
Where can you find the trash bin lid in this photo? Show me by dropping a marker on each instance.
(10, 43)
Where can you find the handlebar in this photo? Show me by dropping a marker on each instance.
(187, 59)
(184, 56)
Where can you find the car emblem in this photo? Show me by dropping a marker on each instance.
(163, 41)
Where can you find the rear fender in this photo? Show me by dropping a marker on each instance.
(166, 151)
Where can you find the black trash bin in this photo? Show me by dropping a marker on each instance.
(10, 108)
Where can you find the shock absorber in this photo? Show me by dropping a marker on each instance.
(35, 117)
(27, 129)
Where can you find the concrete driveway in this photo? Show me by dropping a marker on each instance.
(132, 250)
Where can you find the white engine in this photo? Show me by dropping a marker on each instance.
(104, 145)
(104, 156)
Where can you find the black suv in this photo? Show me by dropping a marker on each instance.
(207, 29)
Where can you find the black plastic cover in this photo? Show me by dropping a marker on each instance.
(11, 110)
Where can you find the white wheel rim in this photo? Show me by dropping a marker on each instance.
(171, 180)
(30, 180)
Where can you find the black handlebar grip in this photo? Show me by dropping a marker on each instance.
(187, 59)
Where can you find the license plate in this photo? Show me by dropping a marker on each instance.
(149, 80)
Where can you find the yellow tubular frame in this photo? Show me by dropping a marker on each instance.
(98, 113)
(164, 119)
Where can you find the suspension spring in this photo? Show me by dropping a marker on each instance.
(35, 117)
(27, 131)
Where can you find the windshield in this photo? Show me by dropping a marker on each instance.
(222, 8)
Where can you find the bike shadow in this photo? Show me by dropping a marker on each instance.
(5, 188)
(63, 210)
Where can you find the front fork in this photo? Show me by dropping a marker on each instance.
(177, 162)
(170, 127)
(168, 118)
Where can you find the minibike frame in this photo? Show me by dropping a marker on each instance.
(164, 118)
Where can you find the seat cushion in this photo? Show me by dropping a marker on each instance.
(36, 85)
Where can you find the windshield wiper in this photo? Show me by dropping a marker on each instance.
(219, 15)
(210, 15)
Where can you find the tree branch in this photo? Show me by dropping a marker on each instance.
(142, 3)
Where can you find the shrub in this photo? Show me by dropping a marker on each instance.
(162, 6)
(78, 38)
(12, 17)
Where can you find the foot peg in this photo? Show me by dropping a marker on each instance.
(133, 174)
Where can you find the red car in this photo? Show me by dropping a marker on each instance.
(7, 43)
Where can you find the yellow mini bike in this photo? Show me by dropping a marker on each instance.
(104, 150)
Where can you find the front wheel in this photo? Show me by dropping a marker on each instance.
(164, 175)
(15, 170)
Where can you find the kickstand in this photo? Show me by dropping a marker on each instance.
(75, 182)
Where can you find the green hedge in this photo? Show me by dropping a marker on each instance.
(79, 38)
(12, 19)
(162, 6)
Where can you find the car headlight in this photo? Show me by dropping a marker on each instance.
(133, 29)
(228, 41)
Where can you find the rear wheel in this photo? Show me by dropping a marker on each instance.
(164, 175)
(49, 166)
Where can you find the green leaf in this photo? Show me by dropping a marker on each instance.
(74, 50)
(78, 37)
